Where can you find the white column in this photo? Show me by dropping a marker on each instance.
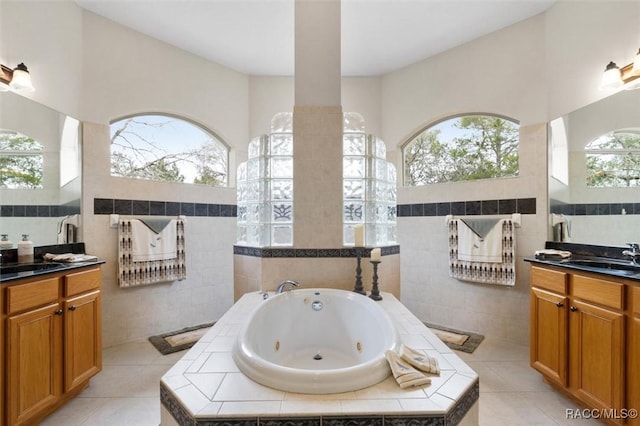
(317, 126)
(317, 53)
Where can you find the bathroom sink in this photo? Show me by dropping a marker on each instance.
(605, 264)
(29, 267)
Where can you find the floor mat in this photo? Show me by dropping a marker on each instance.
(458, 340)
(179, 340)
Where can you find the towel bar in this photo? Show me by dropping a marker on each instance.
(516, 218)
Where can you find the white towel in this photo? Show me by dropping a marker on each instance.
(473, 248)
(561, 225)
(147, 245)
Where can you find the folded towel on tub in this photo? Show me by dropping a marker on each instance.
(405, 374)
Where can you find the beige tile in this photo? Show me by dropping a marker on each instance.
(367, 406)
(126, 381)
(237, 408)
(219, 362)
(126, 392)
(75, 412)
(136, 411)
(206, 383)
(238, 387)
(324, 406)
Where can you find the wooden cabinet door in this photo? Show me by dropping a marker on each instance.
(34, 360)
(82, 339)
(549, 334)
(597, 355)
(633, 374)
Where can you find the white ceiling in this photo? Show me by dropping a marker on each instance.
(256, 37)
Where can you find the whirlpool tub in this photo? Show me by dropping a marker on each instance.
(316, 341)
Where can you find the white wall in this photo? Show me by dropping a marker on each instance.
(270, 95)
(45, 35)
(581, 38)
(97, 71)
(126, 73)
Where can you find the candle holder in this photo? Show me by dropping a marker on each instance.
(359, 288)
(375, 293)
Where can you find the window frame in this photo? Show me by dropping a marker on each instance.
(214, 135)
(619, 152)
(39, 152)
(434, 123)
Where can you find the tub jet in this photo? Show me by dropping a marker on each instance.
(317, 357)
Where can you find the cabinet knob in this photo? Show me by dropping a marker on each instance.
(59, 312)
(559, 304)
(573, 309)
(72, 308)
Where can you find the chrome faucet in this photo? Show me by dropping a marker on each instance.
(633, 252)
(285, 283)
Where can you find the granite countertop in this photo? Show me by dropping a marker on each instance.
(55, 267)
(565, 263)
(42, 267)
(605, 260)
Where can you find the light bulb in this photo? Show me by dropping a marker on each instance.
(612, 77)
(21, 79)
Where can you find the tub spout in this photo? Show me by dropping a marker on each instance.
(285, 283)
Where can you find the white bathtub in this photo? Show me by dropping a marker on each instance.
(316, 341)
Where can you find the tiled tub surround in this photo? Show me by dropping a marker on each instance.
(206, 388)
(262, 269)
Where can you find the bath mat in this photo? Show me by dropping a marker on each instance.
(179, 340)
(458, 340)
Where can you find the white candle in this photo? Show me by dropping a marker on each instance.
(358, 235)
(375, 255)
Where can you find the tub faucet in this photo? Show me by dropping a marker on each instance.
(633, 252)
(285, 283)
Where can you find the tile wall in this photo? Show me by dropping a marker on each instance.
(139, 312)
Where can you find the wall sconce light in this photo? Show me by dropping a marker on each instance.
(17, 79)
(627, 77)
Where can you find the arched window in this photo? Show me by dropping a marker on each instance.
(167, 148)
(462, 148)
(21, 161)
(613, 159)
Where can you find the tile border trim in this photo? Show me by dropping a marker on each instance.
(593, 209)
(290, 252)
(453, 417)
(48, 210)
(469, 208)
(161, 208)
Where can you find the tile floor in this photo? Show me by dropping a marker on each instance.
(126, 392)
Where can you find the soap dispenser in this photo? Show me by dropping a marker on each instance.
(5, 243)
(25, 250)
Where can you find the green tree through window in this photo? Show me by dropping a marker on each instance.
(613, 159)
(21, 161)
(166, 148)
(467, 147)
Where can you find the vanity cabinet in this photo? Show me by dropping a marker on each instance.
(52, 345)
(634, 354)
(578, 335)
(549, 338)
